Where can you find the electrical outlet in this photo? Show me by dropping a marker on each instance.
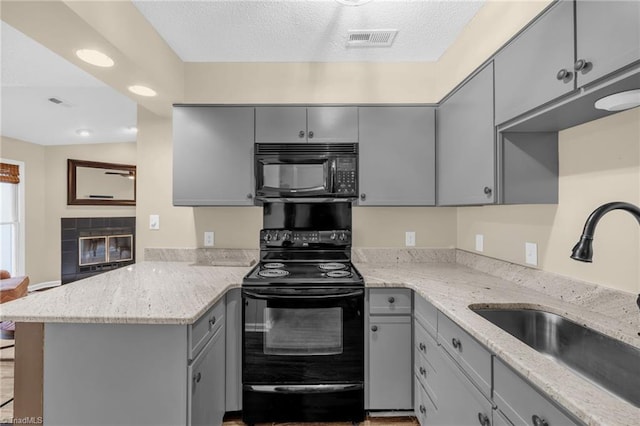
(479, 242)
(209, 239)
(531, 253)
(154, 221)
(410, 238)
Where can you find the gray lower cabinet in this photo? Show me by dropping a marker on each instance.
(299, 124)
(233, 338)
(520, 403)
(397, 156)
(135, 374)
(213, 156)
(206, 396)
(529, 71)
(466, 143)
(390, 353)
(607, 37)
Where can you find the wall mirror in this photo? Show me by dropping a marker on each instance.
(93, 183)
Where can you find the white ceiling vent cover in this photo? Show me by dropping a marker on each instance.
(371, 38)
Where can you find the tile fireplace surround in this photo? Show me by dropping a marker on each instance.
(93, 245)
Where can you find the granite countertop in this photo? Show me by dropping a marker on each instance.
(159, 292)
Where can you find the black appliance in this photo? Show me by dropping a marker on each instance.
(296, 171)
(303, 319)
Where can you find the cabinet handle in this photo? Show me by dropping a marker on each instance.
(488, 190)
(301, 134)
(374, 328)
(212, 321)
(423, 372)
(422, 347)
(363, 197)
(483, 419)
(310, 135)
(422, 409)
(391, 299)
(582, 64)
(197, 377)
(456, 343)
(249, 196)
(564, 75)
(538, 421)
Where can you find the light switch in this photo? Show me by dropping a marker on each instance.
(531, 253)
(209, 239)
(479, 242)
(154, 221)
(410, 239)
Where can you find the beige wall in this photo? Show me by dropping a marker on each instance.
(599, 162)
(46, 196)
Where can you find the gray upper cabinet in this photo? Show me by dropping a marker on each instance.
(608, 37)
(537, 66)
(282, 124)
(212, 156)
(466, 143)
(397, 156)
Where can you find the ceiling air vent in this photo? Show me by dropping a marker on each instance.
(60, 102)
(371, 38)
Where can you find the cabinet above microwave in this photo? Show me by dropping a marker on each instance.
(300, 124)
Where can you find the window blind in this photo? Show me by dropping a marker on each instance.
(9, 173)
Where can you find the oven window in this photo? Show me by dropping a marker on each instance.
(313, 331)
(294, 176)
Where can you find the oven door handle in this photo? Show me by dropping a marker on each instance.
(302, 295)
(305, 388)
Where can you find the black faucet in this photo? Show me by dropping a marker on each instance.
(583, 251)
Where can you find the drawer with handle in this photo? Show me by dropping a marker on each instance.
(474, 359)
(389, 301)
(204, 328)
(521, 403)
(424, 409)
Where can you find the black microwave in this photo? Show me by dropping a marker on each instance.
(295, 171)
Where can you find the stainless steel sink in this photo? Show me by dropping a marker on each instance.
(607, 362)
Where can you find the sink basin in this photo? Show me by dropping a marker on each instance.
(602, 360)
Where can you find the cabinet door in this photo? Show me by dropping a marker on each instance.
(390, 369)
(608, 36)
(206, 395)
(332, 124)
(466, 144)
(212, 156)
(233, 339)
(397, 156)
(281, 124)
(527, 69)
(460, 403)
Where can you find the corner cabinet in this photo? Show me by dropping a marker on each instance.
(466, 143)
(299, 124)
(213, 156)
(536, 67)
(397, 156)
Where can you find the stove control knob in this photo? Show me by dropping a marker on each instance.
(267, 237)
(276, 236)
(333, 236)
(343, 236)
(286, 236)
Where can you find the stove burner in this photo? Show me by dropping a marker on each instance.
(333, 266)
(338, 274)
(273, 265)
(273, 273)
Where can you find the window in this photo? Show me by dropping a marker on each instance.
(12, 217)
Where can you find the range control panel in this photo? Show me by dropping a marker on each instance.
(287, 238)
(346, 176)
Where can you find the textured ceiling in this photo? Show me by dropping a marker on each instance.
(31, 74)
(305, 30)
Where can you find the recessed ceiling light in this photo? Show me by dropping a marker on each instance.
(84, 132)
(353, 2)
(619, 101)
(95, 57)
(131, 129)
(142, 90)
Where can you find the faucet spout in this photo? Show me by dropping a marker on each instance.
(583, 250)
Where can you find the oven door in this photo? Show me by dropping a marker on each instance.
(300, 336)
(290, 177)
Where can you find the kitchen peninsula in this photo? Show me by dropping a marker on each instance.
(117, 345)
